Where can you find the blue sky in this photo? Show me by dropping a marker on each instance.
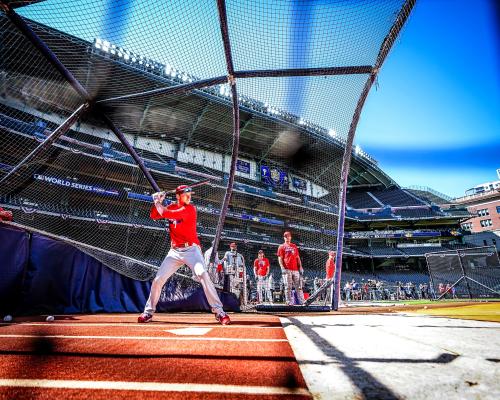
(435, 118)
(432, 121)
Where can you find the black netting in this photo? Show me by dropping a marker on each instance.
(86, 188)
(465, 273)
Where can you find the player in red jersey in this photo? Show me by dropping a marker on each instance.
(291, 268)
(5, 215)
(261, 271)
(330, 265)
(184, 249)
(330, 273)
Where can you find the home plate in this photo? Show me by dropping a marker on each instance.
(190, 331)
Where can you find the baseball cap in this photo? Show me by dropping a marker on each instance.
(287, 233)
(232, 245)
(261, 251)
(183, 189)
(331, 253)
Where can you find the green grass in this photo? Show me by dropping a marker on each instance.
(445, 301)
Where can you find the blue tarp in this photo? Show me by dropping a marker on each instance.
(46, 276)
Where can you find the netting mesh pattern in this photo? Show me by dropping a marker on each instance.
(293, 130)
(465, 273)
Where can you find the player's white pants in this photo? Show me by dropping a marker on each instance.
(192, 257)
(261, 283)
(269, 293)
(293, 278)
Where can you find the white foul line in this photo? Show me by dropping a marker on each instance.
(216, 339)
(153, 386)
(159, 324)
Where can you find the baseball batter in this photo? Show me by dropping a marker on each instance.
(261, 272)
(291, 268)
(184, 249)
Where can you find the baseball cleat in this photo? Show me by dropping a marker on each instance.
(223, 318)
(144, 317)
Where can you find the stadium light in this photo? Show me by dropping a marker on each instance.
(332, 132)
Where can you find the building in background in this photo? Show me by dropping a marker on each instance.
(483, 201)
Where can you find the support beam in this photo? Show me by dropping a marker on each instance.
(49, 55)
(119, 134)
(221, 5)
(291, 72)
(53, 137)
(177, 89)
(346, 161)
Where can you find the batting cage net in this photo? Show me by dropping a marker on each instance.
(103, 103)
(466, 273)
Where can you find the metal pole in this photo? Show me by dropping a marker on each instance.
(49, 55)
(119, 134)
(291, 72)
(346, 161)
(236, 125)
(464, 275)
(21, 24)
(56, 134)
(177, 89)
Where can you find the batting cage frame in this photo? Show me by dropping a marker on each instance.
(458, 273)
(89, 104)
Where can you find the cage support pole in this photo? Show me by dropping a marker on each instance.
(291, 72)
(49, 55)
(56, 134)
(346, 160)
(119, 134)
(464, 275)
(221, 5)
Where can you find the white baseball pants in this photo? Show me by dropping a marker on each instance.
(293, 278)
(192, 257)
(261, 283)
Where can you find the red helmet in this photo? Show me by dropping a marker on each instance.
(183, 189)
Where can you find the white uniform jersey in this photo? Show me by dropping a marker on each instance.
(232, 261)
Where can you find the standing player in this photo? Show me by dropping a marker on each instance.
(184, 249)
(291, 268)
(330, 272)
(233, 261)
(261, 272)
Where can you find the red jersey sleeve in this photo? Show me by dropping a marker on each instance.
(281, 251)
(169, 214)
(255, 265)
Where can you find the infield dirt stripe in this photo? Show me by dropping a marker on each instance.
(243, 369)
(9, 393)
(160, 331)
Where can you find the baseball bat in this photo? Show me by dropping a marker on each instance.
(191, 186)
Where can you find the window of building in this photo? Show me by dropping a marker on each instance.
(498, 209)
(486, 222)
(483, 212)
(467, 226)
